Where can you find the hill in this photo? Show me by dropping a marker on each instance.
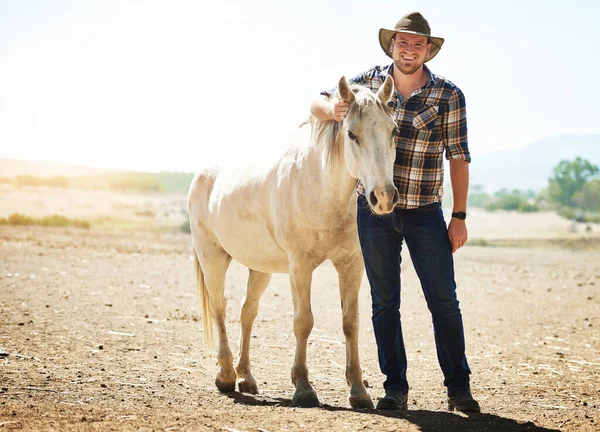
(529, 167)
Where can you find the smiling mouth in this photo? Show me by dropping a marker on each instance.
(408, 58)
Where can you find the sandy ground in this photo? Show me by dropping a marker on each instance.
(100, 332)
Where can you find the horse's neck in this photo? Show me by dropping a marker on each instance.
(335, 186)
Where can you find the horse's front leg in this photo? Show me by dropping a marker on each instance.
(257, 283)
(350, 273)
(301, 269)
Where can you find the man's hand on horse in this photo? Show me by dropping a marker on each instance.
(339, 110)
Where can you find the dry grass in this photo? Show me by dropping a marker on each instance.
(571, 243)
(103, 209)
(18, 219)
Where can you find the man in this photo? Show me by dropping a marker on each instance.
(431, 116)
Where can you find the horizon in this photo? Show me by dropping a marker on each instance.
(138, 87)
(133, 170)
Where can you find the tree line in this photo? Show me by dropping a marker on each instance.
(573, 191)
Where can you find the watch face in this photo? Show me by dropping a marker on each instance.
(459, 215)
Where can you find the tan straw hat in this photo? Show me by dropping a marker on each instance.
(413, 23)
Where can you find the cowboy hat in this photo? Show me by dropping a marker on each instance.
(412, 23)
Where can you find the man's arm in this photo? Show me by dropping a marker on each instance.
(457, 152)
(459, 176)
(324, 110)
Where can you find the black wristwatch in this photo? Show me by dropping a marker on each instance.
(459, 215)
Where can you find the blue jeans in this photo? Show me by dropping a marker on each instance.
(426, 236)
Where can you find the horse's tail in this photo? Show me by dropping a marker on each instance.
(205, 312)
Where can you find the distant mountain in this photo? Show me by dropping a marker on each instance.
(529, 167)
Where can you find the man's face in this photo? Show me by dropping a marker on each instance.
(409, 52)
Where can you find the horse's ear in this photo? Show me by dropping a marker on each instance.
(344, 89)
(385, 91)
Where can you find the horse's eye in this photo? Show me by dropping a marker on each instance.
(352, 137)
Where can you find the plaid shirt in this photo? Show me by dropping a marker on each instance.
(433, 120)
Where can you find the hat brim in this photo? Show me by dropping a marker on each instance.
(385, 36)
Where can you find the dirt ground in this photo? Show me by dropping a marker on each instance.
(100, 332)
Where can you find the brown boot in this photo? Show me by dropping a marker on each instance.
(394, 399)
(463, 401)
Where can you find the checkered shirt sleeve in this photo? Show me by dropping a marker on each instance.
(455, 128)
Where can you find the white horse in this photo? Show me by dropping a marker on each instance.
(290, 218)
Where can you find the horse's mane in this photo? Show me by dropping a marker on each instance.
(328, 133)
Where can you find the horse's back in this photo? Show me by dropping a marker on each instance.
(260, 213)
(232, 206)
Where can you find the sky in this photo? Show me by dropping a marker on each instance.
(172, 85)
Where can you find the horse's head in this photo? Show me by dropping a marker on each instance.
(369, 146)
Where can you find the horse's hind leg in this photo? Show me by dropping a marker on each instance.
(214, 262)
(257, 283)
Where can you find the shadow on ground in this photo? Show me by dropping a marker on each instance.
(435, 421)
(427, 421)
(246, 399)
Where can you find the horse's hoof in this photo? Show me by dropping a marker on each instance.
(247, 386)
(306, 400)
(358, 402)
(225, 386)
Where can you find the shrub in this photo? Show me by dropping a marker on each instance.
(578, 215)
(566, 212)
(477, 242)
(136, 183)
(148, 185)
(27, 180)
(54, 220)
(48, 221)
(185, 227)
(509, 200)
(80, 223)
(58, 181)
(147, 212)
(20, 219)
(589, 197)
(592, 218)
(527, 207)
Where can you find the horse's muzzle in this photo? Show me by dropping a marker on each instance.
(383, 199)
